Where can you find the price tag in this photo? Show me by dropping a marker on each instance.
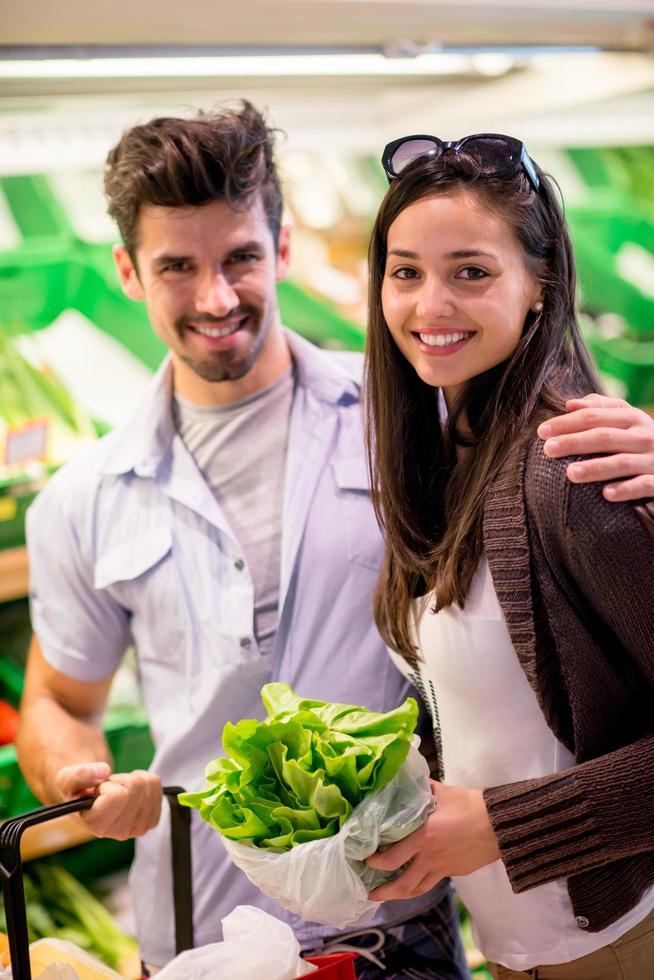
(28, 441)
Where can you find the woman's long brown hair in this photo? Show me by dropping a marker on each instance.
(430, 505)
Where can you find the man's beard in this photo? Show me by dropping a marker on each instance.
(226, 365)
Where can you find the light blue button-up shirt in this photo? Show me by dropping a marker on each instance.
(128, 544)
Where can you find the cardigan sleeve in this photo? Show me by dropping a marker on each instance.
(595, 813)
(602, 809)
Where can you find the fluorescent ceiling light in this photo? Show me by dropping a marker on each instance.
(492, 63)
(442, 63)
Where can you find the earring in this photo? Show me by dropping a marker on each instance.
(538, 307)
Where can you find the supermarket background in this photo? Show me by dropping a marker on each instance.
(575, 81)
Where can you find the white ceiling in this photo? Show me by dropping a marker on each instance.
(554, 100)
(625, 24)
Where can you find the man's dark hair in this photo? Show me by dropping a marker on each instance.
(225, 155)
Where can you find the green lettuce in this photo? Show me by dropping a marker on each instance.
(297, 776)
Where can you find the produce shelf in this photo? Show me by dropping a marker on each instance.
(128, 737)
(129, 741)
(58, 835)
(13, 573)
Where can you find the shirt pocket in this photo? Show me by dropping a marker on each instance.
(139, 574)
(364, 541)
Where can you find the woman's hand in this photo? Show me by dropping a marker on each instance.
(456, 839)
(598, 424)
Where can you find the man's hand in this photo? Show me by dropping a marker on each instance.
(598, 424)
(456, 839)
(127, 804)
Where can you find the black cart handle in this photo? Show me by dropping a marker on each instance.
(11, 870)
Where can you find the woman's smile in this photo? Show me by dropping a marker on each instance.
(442, 342)
(455, 282)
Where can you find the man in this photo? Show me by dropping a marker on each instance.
(227, 532)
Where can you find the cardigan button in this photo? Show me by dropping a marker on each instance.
(582, 922)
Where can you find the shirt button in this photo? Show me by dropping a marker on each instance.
(246, 642)
(239, 564)
(582, 922)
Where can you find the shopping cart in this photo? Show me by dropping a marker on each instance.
(337, 966)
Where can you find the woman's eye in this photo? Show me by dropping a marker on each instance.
(404, 272)
(472, 272)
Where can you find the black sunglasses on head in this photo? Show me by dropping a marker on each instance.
(496, 154)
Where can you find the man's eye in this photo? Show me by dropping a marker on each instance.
(176, 267)
(472, 272)
(245, 258)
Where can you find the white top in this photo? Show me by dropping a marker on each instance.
(493, 732)
(240, 449)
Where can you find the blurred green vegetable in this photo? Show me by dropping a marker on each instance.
(27, 393)
(59, 907)
(297, 776)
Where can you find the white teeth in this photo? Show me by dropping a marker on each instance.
(217, 331)
(442, 339)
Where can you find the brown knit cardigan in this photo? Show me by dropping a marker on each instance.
(574, 575)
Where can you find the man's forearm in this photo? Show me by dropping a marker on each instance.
(49, 738)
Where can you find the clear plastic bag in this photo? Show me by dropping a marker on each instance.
(255, 945)
(327, 880)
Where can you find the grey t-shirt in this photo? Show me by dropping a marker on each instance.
(240, 450)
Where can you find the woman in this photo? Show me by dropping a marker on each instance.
(521, 605)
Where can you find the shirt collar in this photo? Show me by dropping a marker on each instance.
(141, 444)
(333, 377)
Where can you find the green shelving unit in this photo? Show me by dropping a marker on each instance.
(613, 236)
(54, 270)
(126, 728)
